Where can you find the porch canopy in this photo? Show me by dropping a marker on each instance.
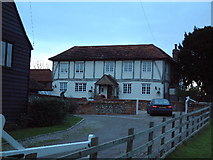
(107, 86)
(107, 80)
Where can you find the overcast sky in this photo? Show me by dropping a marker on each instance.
(54, 27)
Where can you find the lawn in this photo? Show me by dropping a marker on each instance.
(70, 120)
(197, 147)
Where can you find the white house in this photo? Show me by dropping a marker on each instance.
(117, 71)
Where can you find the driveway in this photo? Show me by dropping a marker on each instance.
(106, 127)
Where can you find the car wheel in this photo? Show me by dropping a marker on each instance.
(147, 110)
(170, 114)
(151, 114)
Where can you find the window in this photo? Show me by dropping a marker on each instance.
(64, 67)
(145, 88)
(6, 51)
(127, 88)
(128, 67)
(63, 86)
(147, 66)
(109, 67)
(80, 87)
(79, 67)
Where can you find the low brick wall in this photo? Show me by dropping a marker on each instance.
(107, 107)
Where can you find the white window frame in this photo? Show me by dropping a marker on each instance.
(6, 54)
(63, 67)
(146, 88)
(79, 67)
(147, 66)
(80, 87)
(127, 88)
(109, 66)
(128, 66)
(63, 86)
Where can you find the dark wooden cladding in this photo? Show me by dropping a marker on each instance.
(15, 79)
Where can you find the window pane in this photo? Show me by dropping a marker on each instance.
(79, 67)
(144, 66)
(109, 67)
(149, 66)
(63, 86)
(127, 88)
(3, 53)
(64, 68)
(127, 66)
(9, 54)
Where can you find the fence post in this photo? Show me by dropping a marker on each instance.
(173, 132)
(130, 143)
(163, 138)
(94, 142)
(201, 118)
(150, 138)
(187, 126)
(180, 129)
(193, 123)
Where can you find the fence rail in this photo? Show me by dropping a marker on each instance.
(183, 124)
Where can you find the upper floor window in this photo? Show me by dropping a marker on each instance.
(80, 87)
(147, 66)
(63, 86)
(109, 66)
(127, 88)
(79, 67)
(128, 67)
(6, 54)
(64, 67)
(145, 88)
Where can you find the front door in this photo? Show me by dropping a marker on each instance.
(109, 91)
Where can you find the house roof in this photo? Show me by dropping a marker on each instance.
(40, 80)
(112, 52)
(41, 75)
(107, 80)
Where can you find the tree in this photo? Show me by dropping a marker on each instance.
(195, 60)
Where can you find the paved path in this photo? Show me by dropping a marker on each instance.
(106, 127)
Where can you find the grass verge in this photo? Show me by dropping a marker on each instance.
(70, 120)
(198, 146)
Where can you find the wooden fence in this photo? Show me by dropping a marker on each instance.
(171, 133)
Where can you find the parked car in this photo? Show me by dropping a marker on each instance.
(159, 106)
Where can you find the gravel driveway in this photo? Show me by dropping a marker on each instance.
(106, 127)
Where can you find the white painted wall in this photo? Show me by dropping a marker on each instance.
(89, 66)
(157, 70)
(137, 69)
(99, 67)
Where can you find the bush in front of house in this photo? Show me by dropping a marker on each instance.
(46, 111)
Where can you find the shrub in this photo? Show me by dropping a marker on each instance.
(72, 106)
(46, 111)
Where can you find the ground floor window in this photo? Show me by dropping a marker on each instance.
(80, 87)
(145, 88)
(127, 88)
(63, 86)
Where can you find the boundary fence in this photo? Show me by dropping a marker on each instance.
(182, 128)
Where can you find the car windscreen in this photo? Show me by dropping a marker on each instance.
(161, 101)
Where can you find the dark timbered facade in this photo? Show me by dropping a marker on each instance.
(15, 63)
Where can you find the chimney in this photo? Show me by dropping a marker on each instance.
(175, 53)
